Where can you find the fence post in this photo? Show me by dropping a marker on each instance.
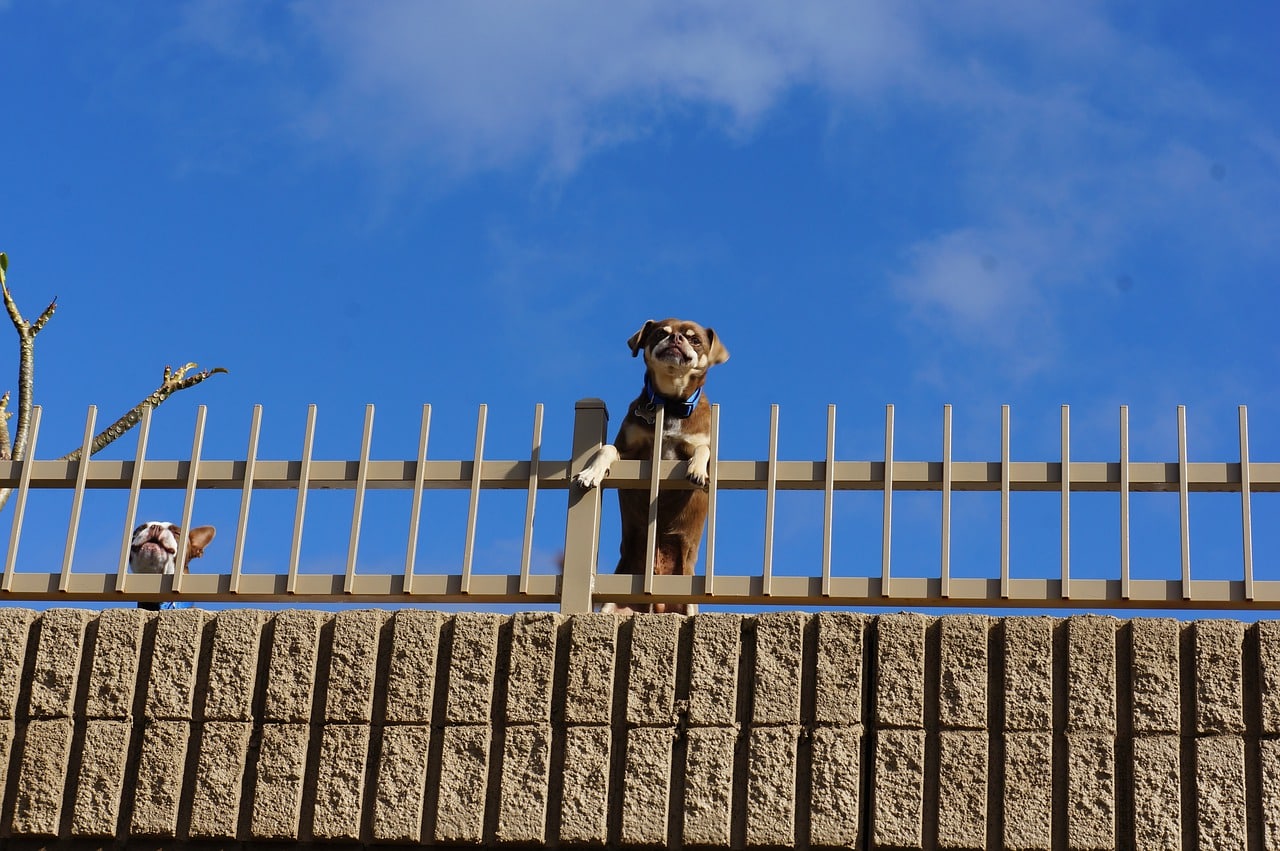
(582, 527)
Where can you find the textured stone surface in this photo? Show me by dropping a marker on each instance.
(472, 668)
(113, 673)
(962, 672)
(645, 786)
(899, 788)
(526, 764)
(838, 690)
(215, 798)
(771, 785)
(401, 784)
(835, 773)
(1270, 770)
(585, 805)
(1028, 674)
(1028, 792)
(159, 786)
(175, 658)
(344, 748)
(651, 680)
(713, 669)
(1221, 819)
(1157, 785)
(15, 627)
(353, 665)
(532, 667)
(464, 774)
(776, 687)
(411, 680)
(291, 678)
(900, 670)
(1091, 791)
(7, 732)
(593, 642)
(708, 794)
(1091, 674)
(1268, 633)
(233, 667)
(282, 765)
(962, 789)
(1219, 676)
(42, 777)
(53, 688)
(101, 779)
(1155, 664)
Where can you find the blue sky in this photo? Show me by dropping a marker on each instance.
(975, 202)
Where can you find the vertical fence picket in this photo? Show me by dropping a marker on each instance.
(1246, 510)
(531, 502)
(886, 532)
(1064, 523)
(246, 496)
(582, 520)
(300, 509)
(770, 501)
(20, 501)
(828, 499)
(1125, 590)
(135, 490)
(77, 498)
(189, 501)
(1004, 501)
(357, 511)
(946, 502)
(473, 507)
(655, 467)
(1184, 518)
(713, 481)
(415, 510)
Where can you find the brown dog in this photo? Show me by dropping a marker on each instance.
(677, 355)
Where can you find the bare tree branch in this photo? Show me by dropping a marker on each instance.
(6, 446)
(26, 364)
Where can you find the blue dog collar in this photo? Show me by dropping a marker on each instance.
(679, 408)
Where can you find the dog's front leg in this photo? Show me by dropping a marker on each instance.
(699, 465)
(595, 472)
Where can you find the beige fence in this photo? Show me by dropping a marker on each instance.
(578, 587)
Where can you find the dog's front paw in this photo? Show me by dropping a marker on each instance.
(589, 478)
(698, 474)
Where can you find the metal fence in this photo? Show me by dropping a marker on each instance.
(578, 587)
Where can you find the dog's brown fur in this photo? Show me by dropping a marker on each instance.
(682, 514)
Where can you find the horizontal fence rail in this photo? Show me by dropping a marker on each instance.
(580, 585)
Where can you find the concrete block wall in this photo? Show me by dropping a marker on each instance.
(125, 728)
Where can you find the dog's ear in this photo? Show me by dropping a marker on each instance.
(717, 353)
(197, 541)
(637, 339)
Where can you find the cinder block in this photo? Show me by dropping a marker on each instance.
(651, 682)
(593, 645)
(353, 665)
(1028, 674)
(962, 789)
(708, 792)
(838, 687)
(175, 659)
(101, 781)
(464, 775)
(6, 749)
(646, 785)
(1154, 654)
(900, 670)
(779, 660)
(160, 768)
(53, 690)
(113, 674)
(42, 777)
(836, 771)
(526, 766)
(771, 785)
(402, 778)
(897, 818)
(291, 676)
(1268, 633)
(15, 629)
(1091, 791)
(1221, 816)
(532, 667)
(1157, 792)
(1219, 676)
(962, 688)
(1270, 814)
(1028, 792)
(472, 668)
(233, 669)
(713, 669)
(215, 803)
(585, 806)
(282, 766)
(344, 750)
(1091, 674)
(411, 681)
